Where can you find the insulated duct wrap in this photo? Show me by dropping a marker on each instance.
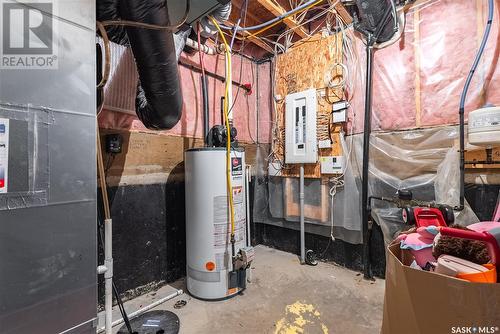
(159, 96)
(107, 10)
(371, 13)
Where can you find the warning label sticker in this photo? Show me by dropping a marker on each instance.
(222, 225)
(4, 155)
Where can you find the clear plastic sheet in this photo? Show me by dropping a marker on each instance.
(424, 161)
(270, 202)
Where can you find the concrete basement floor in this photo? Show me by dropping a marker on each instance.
(283, 298)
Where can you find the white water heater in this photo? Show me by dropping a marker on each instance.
(210, 272)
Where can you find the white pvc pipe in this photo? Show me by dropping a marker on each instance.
(143, 310)
(108, 275)
(302, 227)
(204, 48)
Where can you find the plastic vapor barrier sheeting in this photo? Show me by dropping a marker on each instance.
(424, 161)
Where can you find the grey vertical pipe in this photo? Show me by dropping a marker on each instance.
(206, 111)
(302, 227)
(366, 159)
(248, 175)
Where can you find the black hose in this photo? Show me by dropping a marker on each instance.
(159, 97)
(463, 97)
(206, 114)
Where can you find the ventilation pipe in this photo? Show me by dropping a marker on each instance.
(159, 96)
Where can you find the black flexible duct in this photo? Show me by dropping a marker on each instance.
(107, 10)
(159, 96)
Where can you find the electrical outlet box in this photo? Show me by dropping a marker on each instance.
(340, 116)
(332, 165)
(114, 143)
(300, 127)
(274, 169)
(339, 110)
(325, 143)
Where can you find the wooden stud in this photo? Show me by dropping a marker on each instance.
(277, 10)
(344, 14)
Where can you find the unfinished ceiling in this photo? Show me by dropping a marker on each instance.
(301, 25)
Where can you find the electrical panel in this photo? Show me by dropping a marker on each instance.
(300, 127)
(332, 165)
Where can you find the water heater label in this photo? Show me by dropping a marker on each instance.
(4, 154)
(236, 166)
(222, 228)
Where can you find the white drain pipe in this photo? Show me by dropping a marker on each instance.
(108, 275)
(107, 268)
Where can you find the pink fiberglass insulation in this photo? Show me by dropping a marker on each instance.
(191, 122)
(437, 50)
(394, 82)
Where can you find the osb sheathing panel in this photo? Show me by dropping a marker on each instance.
(303, 67)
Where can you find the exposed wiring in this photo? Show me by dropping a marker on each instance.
(313, 3)
(143, 25)
(228, 129)
(200, 53)
(243, 16)
(107, 55)
(277, 19)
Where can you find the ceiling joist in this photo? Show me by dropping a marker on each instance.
(277, 10)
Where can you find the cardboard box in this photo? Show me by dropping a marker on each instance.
(421, 302)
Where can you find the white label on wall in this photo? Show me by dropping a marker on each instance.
(4, 155)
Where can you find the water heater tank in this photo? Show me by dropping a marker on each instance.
(484, 126)
(208, 246)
